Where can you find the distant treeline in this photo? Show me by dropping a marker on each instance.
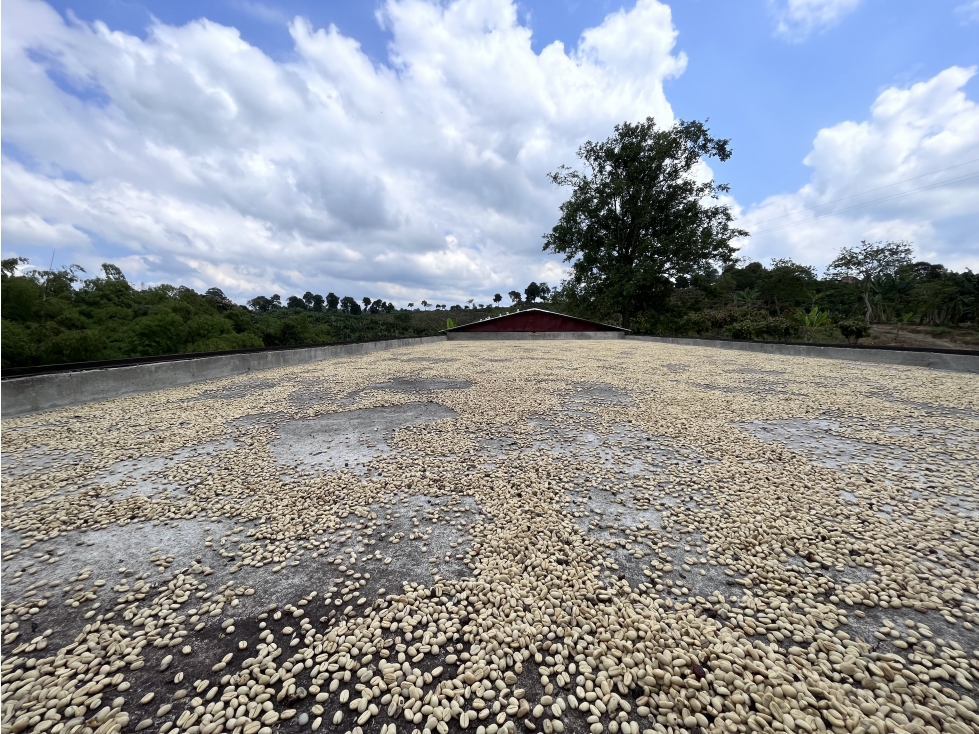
(59, 316)
(788, 301)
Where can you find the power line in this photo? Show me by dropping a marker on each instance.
(868, 191)
(868, 203)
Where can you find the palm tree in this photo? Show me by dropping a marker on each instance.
(749, 296)
(425, 304)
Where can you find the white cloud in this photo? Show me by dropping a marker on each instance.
(968, 12)
(797, 19)
(911, 133)
(212, 163)
(261, 11)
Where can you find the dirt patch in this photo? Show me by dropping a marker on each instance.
(922, 337)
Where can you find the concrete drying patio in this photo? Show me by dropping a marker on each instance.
(485, 536)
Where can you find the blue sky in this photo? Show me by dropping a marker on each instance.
(790, 82)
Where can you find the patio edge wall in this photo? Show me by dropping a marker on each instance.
(38, 393)
(933, 360)
(531, 335)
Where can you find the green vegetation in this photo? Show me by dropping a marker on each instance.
(787, 301)
(52, 317)
(57, 316)
(651, 250)
(637, 218)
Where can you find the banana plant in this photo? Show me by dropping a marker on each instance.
(810, 321)
(749, 296)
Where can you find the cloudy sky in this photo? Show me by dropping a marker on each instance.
(399, 149)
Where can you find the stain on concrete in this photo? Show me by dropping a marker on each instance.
(349, 439)
(421, 384)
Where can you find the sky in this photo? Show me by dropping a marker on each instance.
(399, 149)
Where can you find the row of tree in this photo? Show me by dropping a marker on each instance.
(789, 301)
(314, 302)
(58, 316)
(317, 304)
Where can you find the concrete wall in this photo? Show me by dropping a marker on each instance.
(934, 360)
(528, 335)
(23, 395)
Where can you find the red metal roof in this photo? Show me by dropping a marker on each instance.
(536, 319)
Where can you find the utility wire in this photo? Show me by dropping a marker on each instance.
(868, 203)
(868, 191)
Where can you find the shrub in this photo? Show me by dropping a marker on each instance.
(742, 330)
(853, 330)
(762, 326)
(693, 323)
(810, 321)
(727, 316)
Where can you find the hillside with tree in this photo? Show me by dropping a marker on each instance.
(62, 316)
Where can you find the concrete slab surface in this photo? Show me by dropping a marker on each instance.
(558, 536)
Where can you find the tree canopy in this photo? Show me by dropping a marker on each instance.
(870, 260)
(787, 301)
(638, 217)
(785, 282)
(57, 316)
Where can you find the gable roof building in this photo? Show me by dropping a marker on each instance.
(535, 323)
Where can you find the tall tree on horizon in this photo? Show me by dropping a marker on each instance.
(637, 218)
(786, 280)
(867, 261)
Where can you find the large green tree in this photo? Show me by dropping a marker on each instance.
(637, 217)
(867, 261)
(787, 281)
